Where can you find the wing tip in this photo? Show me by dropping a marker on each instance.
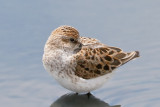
(137, 54)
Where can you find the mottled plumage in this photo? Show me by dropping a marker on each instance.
(81, 64)
(94, 62)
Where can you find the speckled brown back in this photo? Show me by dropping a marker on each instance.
(96, 62)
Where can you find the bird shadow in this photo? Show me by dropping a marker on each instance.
(80, 100)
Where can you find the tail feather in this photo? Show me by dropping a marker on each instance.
(129, 56)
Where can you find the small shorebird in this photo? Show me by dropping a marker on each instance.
(81, 64)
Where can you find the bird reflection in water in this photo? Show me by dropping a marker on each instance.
(80, 100)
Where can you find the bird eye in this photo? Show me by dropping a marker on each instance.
(72, 40)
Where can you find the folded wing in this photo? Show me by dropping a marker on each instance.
(94, 62)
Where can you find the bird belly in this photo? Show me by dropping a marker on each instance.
(80, 85)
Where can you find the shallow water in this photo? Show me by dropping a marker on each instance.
(130, 25)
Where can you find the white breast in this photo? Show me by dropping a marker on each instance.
(59, 67)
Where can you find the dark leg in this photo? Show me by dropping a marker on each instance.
(89, 94)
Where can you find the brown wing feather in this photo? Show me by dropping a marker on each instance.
(96, 62)
(86, 40)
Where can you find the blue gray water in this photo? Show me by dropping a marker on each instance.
(130, 25)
